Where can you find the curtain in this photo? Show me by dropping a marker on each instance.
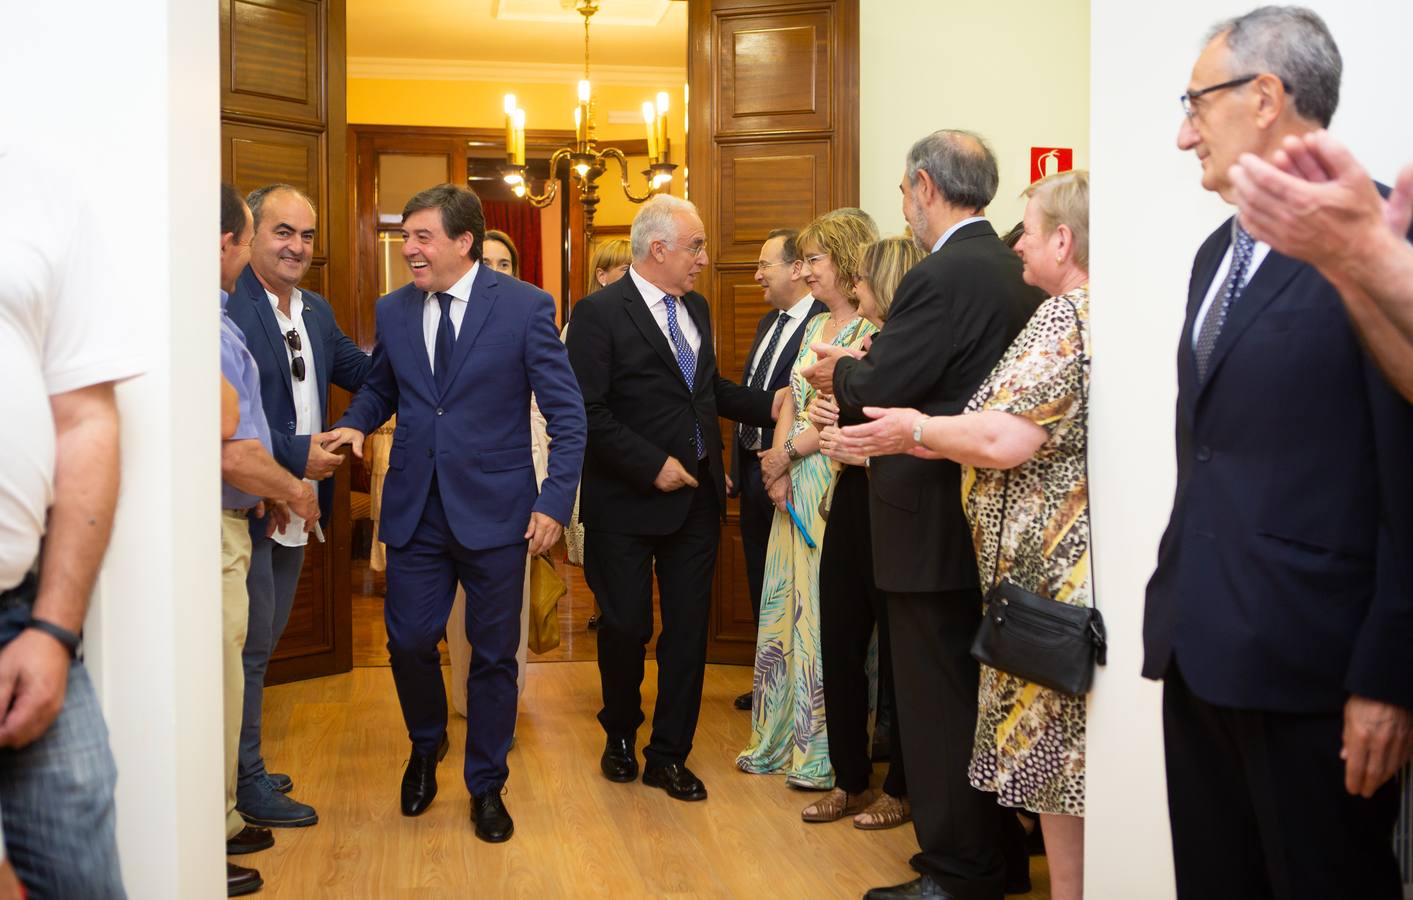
(521, 221)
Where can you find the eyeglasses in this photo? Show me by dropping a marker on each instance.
(763, 265)
(696, 249)
(296, 363)
(1189, 99)
(814, 260)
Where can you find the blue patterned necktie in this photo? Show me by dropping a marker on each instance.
(1242, 248)
(686, 362)
(445, 343)
(750, 434)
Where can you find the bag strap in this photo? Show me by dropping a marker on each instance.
(1006, 479)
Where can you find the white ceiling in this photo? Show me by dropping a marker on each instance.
(519, 31)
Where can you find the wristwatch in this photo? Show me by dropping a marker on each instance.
(790, 450)
(917, 429)
(62, 635)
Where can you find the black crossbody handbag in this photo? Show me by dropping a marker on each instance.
(1045, 641)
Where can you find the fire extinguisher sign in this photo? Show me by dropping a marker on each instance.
(1046, 161)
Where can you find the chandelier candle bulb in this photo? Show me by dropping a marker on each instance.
(579, 125)
(650, 122)
(520, 137)
(510, 127)
(662, 125)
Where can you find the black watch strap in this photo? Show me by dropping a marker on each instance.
(62, 635)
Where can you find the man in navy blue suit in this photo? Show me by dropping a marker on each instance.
(780, 273)
(1280, 615)
(457, 354)
(299, 349)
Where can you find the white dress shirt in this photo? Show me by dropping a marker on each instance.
(307, 406)
(795, 320)
(652, 296)
(953, 230)
(1258, 256)
(432, 312)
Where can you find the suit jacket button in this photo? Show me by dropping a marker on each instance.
(431, 453)
(440, 411)
(1204, 454)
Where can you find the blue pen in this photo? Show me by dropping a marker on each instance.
(799, 523)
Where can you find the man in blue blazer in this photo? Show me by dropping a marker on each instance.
(300, 350)
(457, 354)
(781, 274)
(1280, 615)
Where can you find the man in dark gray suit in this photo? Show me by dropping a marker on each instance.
(952, 317)
(781, 274)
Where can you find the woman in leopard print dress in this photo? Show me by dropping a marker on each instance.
(1022, 442)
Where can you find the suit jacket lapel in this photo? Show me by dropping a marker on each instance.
(255, 293)
(643, 319)
(414, 303)
(321, 365)
(701, 316)
(484, 292)
(764, 328)
(1275, 273)
(791, 350)
(1206, 270)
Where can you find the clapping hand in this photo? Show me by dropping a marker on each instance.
(821, 374)
(1315, 202)
(891, 431)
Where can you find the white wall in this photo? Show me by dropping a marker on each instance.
(1016, 73)
(139, 129)
(1148, 216)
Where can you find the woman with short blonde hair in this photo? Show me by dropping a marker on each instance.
(610, 262)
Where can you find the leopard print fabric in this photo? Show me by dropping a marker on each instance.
(1029, 746)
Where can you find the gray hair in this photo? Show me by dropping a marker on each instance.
(655, 221)
(961, 165)
(256, 199)
(1295, 45)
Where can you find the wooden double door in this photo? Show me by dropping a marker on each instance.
(773, 143)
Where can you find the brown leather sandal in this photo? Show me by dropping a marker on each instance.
(835, 805)
(885, 812)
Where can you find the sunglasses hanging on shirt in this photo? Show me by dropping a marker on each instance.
(296, 363)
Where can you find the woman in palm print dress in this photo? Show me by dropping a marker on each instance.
(787, 704)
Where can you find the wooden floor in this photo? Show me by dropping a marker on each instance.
(577, 834)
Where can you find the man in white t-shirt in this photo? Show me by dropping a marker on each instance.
(64, 347)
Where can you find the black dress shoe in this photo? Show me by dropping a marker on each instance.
(618, 762)
(493, 822)
(419, 782)
(240, 880)
(677, 780)
(743, 701)
(923, 887)
(250, 839)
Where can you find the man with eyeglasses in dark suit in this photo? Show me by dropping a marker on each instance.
(300, 349)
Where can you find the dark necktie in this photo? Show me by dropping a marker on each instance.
(686, 362)
(750, 434)
(1242, 247)
(446, 342)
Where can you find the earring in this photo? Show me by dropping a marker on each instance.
(1059, 259)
